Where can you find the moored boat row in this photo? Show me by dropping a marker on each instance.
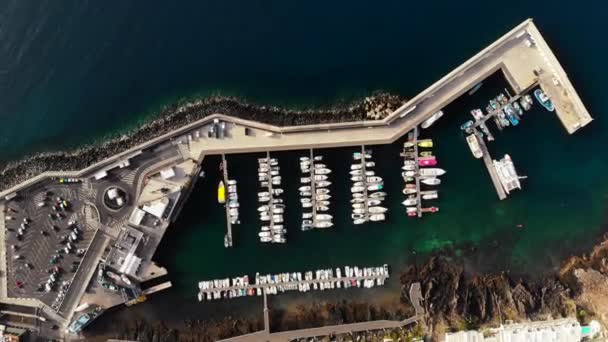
(418, 169)
(366, 190)
(314, 193)
(272, 208)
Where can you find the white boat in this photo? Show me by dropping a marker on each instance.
(374, 187)
(359, 211)
(359, 221)
(431, 181)
(474, 146)
(428, 122)
(323, 217)
(357, 189)
(374, 179)
(322, 191)
(409, 167)
(356, 172)
(264, 234)
(358, 155)
(278, 211)
(306, 215)
(305, 193)
(320, 166)
(304, 188)
(370, 164)
(305, 200)
(377, 194)
(356, 178)
(279, 240)
(265, 239)
(263, 194)
(277, 191)
(265, 228)
(263, 208)
(410, 201)
(409, 191)
(408, 174)
(264, 218)
(377, 210)
(430, 196)
(322, 184)
(274, 173)
(409, 162)
(320, 177)
(377, 217)
(323, 224)
(322, 208)
(357, 216)
(359, 195)
(358, 200)
(275, 206)
(411, 209)
(373, 202)
(358, 184)
(358, 205)
(307, 222)
(323, 203)
(322, 171)
(307, 205)
(506, 174)
(431, 172)
(323, 197)
(370, 173)
(263, 199)
(356, 166)
(304, 158)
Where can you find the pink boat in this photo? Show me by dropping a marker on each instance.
(412, 214)
(427, 162)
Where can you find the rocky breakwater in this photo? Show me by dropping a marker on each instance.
(173, 117)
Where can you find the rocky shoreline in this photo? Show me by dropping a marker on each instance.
(376, 106)
(453, 299)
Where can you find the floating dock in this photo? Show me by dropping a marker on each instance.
(228, 237)
(487, 160)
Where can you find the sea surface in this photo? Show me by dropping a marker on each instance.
(76, 72)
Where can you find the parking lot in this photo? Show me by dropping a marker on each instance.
(45, 240)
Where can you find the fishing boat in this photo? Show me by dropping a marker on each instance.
(544, 100)
(427, 162)
(377, 210)
(322, 171)
(428, 122)
(409, 191)
(377, 217)
(474, 146)
(431, 181)
(429, 210)
(431, 172)
(322, 184)
(221, 192)
(410, 202)
(428, 143)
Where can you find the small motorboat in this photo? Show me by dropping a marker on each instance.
(544, 100)
(409, 191)
(429, 210)
(431, 181)
(427, 162)
(432, 172)
(410, 201)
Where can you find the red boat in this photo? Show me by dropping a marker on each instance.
(429, 210)
(427, 162)
(413, 213)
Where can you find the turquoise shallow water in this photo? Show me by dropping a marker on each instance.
(75, 72)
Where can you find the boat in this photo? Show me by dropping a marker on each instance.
(322, 171)
(429, 210)
(318, 158)
(518, 109)
(356, 178)
(323, 197)
(410, 162)
(304, 159)
(358, 199)
(413, 213)
(322, 184)
(305, 193)
(265, 239)
(221, 192)
(358, 195)
(408, 174)
(408, 167)
(431, 181)
(305, 180)
(356, 172)
(374, 179)
(264, 234)
(263, 199)
(526, 102)
(356, 166)
(307, 205)
(358, 205)
(304, 188)
(322, 191)
(377, 217)
(377, 194)
(377, 210)
(506, 174)
(475, 88)
(431, 172)
(544, 100)
(427, 162)
(306, 215)
(359, 221)
(322, 208)
(474, 146)
(374, 187)
(277, 191)
(372, 202)
(323, 217)
(411, 209)
(323, 224)
(409, 191)
(357, 189)
(305, 200)
(428, 122)
(322, 203)
(320, 177)
(467, 125)
(423, 154)
(477, 114)
(425, 143)
(359, 211)
(410, 202)
(370, 164)
(430, 196)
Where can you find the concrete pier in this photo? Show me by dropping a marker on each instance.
(487, 160)
(417, 175)
(228, 240)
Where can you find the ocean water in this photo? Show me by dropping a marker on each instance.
(74, 72)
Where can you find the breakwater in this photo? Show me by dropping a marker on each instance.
(374, 107)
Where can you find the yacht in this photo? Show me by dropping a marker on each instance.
(428, 122)
(431, 172)
(474, 146)
(506, 173)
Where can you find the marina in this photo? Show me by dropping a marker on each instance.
(272, 207)
(322, 279)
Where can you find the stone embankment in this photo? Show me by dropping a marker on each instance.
(376, 106)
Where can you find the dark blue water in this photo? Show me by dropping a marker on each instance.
(74, 72)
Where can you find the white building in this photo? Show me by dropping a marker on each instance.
(561, 330)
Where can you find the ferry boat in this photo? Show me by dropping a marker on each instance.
(506, 173)
(428, 122)
(474, 146)
(221, 192)
(431, 172)
(544, 100)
